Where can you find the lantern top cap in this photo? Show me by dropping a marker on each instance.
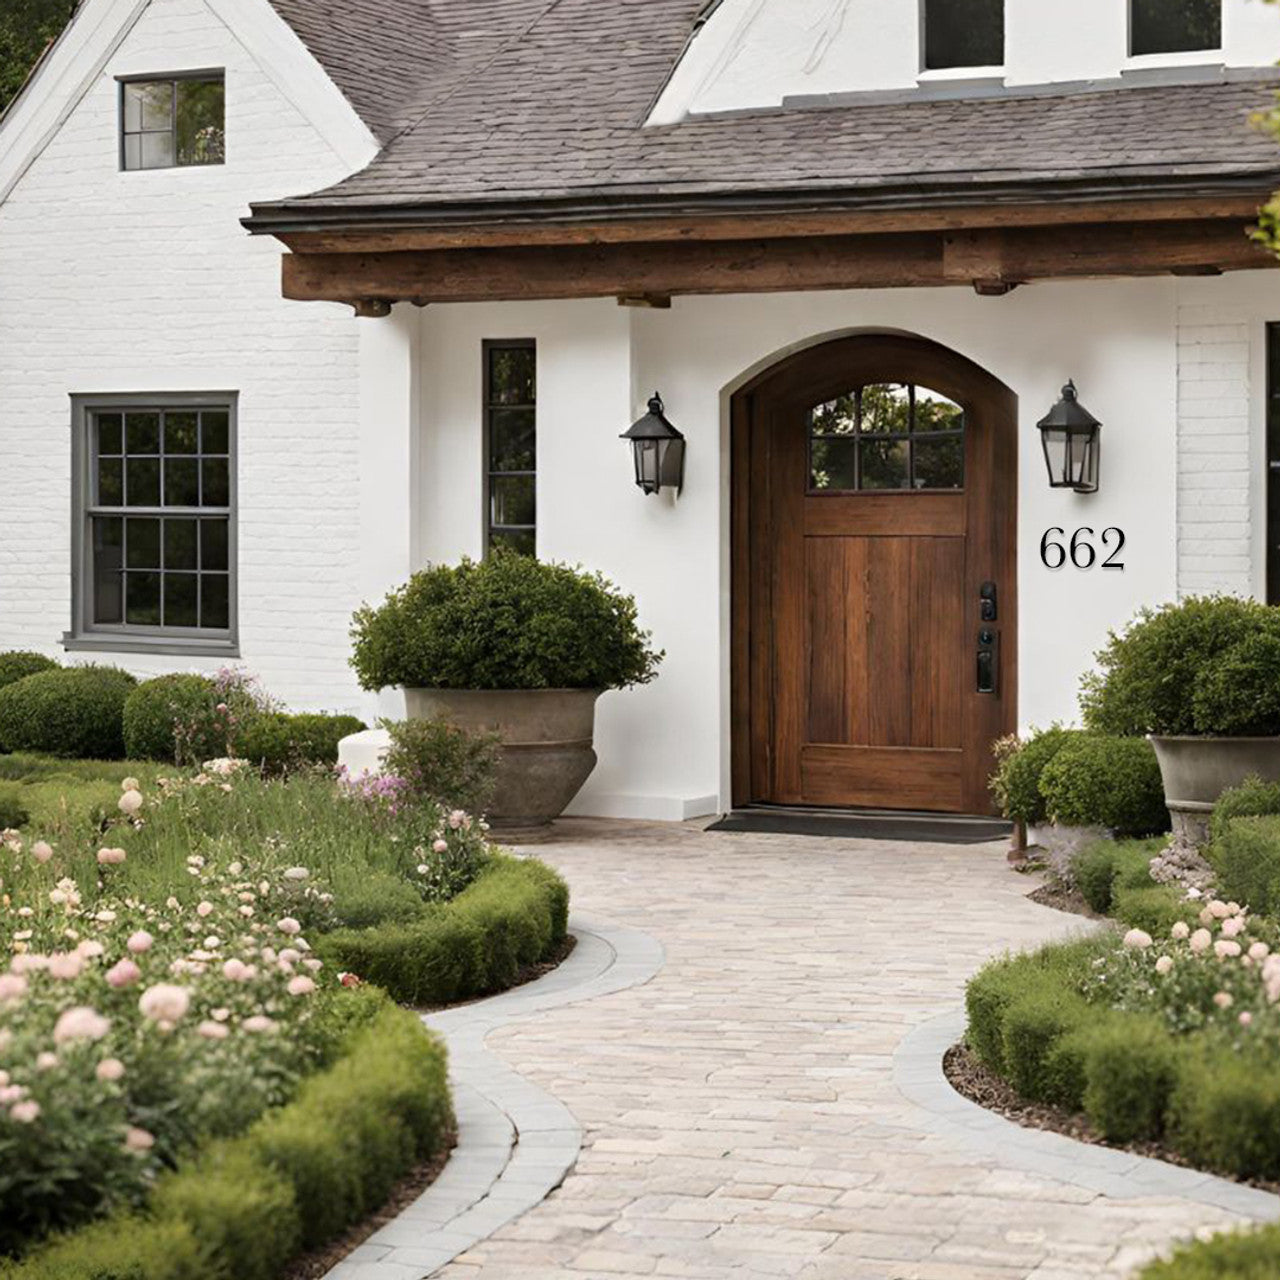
(1069, 414)
(654, 425)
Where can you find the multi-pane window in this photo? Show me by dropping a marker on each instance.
(1174, 26)
(511, 444)
(886, 436)
(965, 33)
(171, 123)
(157, 494)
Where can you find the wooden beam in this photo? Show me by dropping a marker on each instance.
(514, 230)
(663, 269)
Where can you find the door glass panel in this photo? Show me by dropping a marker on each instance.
(886, 436)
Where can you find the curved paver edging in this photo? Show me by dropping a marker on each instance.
(516, 1143)
(918, 1074)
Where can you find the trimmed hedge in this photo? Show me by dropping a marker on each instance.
(1243, 1255)
(1016, 781)
(298, 1178)
(277, 742)
(18, 664)
(514, 914)
(1247, 859)
(158, 709)
(1098, 780)
(1129, 1072)
(1114, 876)
(72, 711)
(1253, 798)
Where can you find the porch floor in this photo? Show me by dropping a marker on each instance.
(761, 1107)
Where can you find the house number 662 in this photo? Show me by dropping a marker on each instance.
(1055, 550)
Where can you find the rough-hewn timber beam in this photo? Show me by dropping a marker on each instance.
(1011, 255)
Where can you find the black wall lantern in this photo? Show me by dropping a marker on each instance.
(1069, 433)
(659, 450)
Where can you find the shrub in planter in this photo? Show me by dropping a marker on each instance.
(1094, 779)
(18, 664)
(1247, 860)
(1238, 694)
(439, 761)
(1252, 799)
(1020, 764)
(73, 711)
(277, 742)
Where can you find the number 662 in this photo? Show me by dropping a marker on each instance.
(1055, 552)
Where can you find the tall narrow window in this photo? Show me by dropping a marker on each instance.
(964, 33)
(155, 535)
(1273, 464)
(173, 123)
(511, 444)
(1174, 26)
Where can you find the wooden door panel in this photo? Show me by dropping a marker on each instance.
(939, 515)
(883, 778)
(939, 649)
(888, 605)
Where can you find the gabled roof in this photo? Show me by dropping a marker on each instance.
(537, 106)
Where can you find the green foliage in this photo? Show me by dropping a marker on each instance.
(1108, 871)
(26, 27)
(442, 762)
(1253, 798)
(514, 915)
(175, 718)
(13, 811)
(378, 898)
(1016, 781)
(508, 622)
(1107, 781)
(73, 711)
(1149, 675)
(1242, 1255)
(1239, 691)
(299, 1177)
(276, 742)
(1033, 1025)
(1129, 1066)
(1247, 859)
(1151, 907)
(18, 664)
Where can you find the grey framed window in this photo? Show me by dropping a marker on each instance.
(173, 122)
(154, 497)
(965, 33)
(1174, 26)
(511, 445)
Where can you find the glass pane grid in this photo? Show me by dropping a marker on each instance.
(173, 123)
(510, 409)
(886, 437)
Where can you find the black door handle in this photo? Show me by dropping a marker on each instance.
(988, 661)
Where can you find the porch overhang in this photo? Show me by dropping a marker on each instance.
(648, 251)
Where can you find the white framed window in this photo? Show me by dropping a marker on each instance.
(172, 122)
(154, 534)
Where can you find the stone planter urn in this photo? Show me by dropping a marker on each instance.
(547, 751)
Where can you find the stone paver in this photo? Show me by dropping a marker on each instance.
(743, 1113)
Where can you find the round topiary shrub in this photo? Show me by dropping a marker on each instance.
(508, 622)
(18, 664)
(276, 742)
(1016, 781)
(1208, 665)
(175, 718)
(73, 711)
(1096, 780)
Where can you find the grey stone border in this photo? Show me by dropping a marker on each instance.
(516, 1143)
(918, 1074)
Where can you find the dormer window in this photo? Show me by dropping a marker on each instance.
(173, 123)
(964, 33)
(1161, 26)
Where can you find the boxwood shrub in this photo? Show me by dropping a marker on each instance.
(1096, 779)
(298, 1178)
(1243, 1255)
(1246, 858)
(513, 915)
(1016, 781)
(507, 622)
(1253, 798)
(175, 718)
(71, 711)
(276, 742)
(17, 664)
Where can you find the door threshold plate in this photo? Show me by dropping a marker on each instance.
(865, 824)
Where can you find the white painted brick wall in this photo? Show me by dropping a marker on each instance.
(1215, 522)
(116, 281)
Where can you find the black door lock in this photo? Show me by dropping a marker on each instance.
(988, 609)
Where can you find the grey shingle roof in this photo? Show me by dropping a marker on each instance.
(542, 102)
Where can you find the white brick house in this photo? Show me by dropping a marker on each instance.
(786, 189)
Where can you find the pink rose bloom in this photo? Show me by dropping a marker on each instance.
(138, 1140)
(297, 873)
(13, 986)
(236, 970)
(140, 942)
(1219, 910)
(1259, 951)
(1233, 927)
(46, 1061)
(1226, 949)
(80, 1023)
(301, 986)
(1201, 940)
(90, 949)
(1164, 965)
(1246, 1019)
(441, 846)
(65, 966)
(1138, 939)
(109, 1069)
(204, 909)
(25, 1112)
(41, 851)
(1223, 1000)
(258, 1023)
(130, 803)
(212, 1031)
(456, 819)
(123, 973)
(111, 857)
(165, 1002)
(290, 955)
(289, 926)
(11, 1093)
(1206, 916)
(1181, 930)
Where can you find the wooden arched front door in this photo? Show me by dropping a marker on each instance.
(874, 578)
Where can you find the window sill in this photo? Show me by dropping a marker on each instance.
(162, 645)
(945, 75)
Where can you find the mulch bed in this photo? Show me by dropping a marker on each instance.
(974, 1081)
(1053, 893)
(319, 1262)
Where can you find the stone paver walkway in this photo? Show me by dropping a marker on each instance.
(740, 1111)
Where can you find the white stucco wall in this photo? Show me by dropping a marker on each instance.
(1172, 367)
(145, 281)
(755, 53)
